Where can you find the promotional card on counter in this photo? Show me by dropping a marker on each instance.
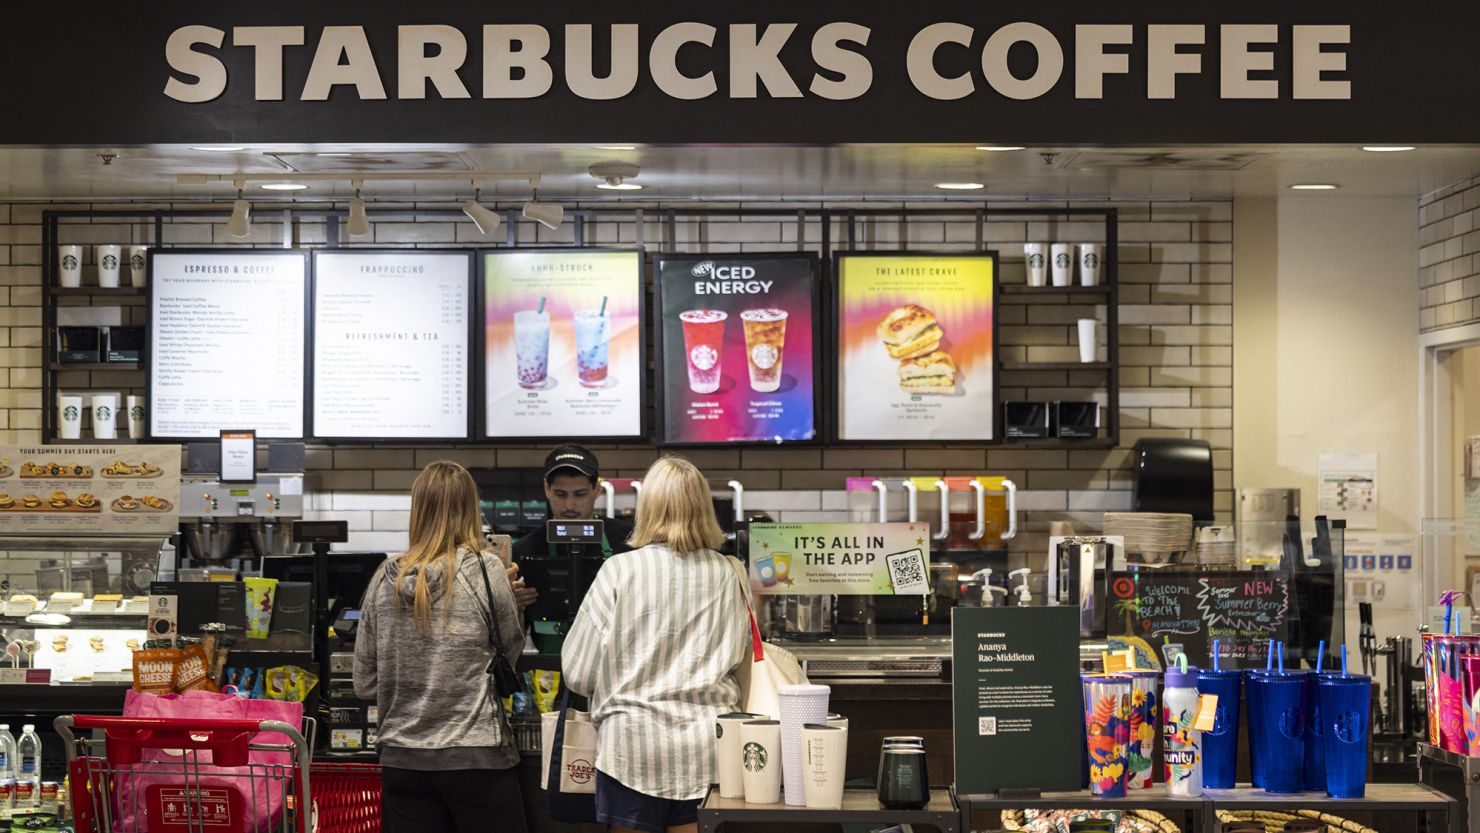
(562, 343)
(1016, 698)
(1161, 615)
(916, 347)
(739, 343)
(391, 344)
(102, 489)
(890, 559)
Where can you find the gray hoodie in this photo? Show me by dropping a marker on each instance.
(438, 708)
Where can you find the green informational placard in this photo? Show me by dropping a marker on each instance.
(1016, 699)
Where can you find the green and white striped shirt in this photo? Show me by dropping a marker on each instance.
(656, 645)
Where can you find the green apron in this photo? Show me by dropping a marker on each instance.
(549, 636)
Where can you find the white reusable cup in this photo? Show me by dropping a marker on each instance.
(824, 759)
(136, 417)
(760, 756)
(1088, 338)
(69, 266)
(727, 755)
(138, 259)
(1035, 260)
(1063, 264)
(69, 417)
(105, 414)
(1091, 257)
(110, 261)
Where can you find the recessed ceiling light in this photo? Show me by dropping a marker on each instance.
(220, 148)
(999, 148)
(615, 147)
(285, 186)
(959, 186)
(619, 186)
(1314, 186)
(1387, 148)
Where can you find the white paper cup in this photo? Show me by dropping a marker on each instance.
(1091, 257)
(136, 417)
(69, 417)
(69, 266)
(824, 760)
(760, 757)
(727, 753)
(1035, 260)
(1063, 264)
(138, 259)
(105, 415)
(1088, 338)
(110, 261)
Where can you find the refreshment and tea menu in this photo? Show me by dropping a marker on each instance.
(562, 343)
(390, 344)
(738, 348)
(226, 346)
(915, 347)
(102, 489)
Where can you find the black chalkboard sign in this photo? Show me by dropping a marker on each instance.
(1165, 613)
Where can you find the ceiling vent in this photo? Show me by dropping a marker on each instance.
(332, 162)
(1173, 159)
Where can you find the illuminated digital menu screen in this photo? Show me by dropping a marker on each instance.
(738, 348)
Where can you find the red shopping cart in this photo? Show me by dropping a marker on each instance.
(156, 775)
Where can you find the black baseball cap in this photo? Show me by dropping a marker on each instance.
(571, 457)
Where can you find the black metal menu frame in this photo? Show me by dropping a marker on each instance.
(148, 363)
(821, 332)
(480, 346)
(311, 428)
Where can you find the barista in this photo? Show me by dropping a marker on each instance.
(571, 477)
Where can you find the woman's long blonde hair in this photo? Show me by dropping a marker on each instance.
(444, 519)
(675, 508)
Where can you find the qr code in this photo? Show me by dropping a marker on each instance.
(986, 726)
(907, 572)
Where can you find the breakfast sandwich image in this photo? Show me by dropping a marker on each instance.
(910, 331)
(933, 373)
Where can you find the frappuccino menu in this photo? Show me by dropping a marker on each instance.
(226, 346)
(390, 345)
(738, 345)
(562, 343)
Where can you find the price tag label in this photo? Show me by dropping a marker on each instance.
(1119, 662)
(1207, 713)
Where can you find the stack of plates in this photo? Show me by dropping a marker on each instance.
(1216, 546)
(800, 705)
(1155, 536)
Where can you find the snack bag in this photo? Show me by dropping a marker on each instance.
(193, 672)
(545, 685)
(154, 670)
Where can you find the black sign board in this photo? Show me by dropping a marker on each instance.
(1172, 612)
(1018, 710)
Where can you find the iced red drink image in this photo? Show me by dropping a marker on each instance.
(703, 333)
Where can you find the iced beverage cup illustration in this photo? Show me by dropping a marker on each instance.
(532, 347)
(593, 329)
(703, 333)
(765, 336)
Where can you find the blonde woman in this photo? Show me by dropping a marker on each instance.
(428, 631)
(656, 645)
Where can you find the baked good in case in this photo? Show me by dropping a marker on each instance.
(910, 331)
(935, 373)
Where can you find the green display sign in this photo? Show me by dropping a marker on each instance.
(862, 559)
(1016, 701)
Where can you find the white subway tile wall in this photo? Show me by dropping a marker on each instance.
(1176, 374)
(1448, 266)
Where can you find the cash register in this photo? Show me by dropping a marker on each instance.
(563, 578)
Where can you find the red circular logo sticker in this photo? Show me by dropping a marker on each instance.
(1124, 587)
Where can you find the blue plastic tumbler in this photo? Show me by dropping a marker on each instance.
(1253, 692)
(1220, 745)
(1278, 720)
(1345, 720)
(1315, 747)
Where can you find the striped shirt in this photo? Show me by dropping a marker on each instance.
(656, 645)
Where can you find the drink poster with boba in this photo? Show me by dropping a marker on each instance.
(739, 348)
(562, 343)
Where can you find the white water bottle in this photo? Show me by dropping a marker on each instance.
(1181, 743)
(28, 756)
(7, 752)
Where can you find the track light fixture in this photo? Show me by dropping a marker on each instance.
(359, 222)
(240, 224)
(548, 214)
(486, 219)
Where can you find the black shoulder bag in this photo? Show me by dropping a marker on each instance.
(506, 681)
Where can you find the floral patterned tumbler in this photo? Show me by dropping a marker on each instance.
(1145, 713)
(1107, 713)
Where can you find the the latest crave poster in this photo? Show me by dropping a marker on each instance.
(562, 343)
(915, 347)
(738, 341)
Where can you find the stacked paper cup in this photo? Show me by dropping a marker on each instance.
(800, 704)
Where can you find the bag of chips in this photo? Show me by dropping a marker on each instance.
(193, 672)
(155, 669)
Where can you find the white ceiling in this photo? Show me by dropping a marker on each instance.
(677, 173)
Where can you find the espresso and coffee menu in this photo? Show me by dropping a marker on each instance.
(915, 347)
(226, 345)
(562, 343)
(738, 345)
(391, 344)
(102, 489)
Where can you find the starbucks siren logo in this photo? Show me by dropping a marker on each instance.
(1035, 260)
(136, 262)
(71, 414)
(103, 413)
(1062, 260)
(69, 262)
(1091, 260)
(754, 756)
(110, 262)
(136, 413)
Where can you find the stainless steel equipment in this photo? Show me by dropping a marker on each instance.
(802, 617)
(224, 521)
(1259, 524)
(1072, 574)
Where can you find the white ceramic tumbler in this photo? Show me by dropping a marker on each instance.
(1035, 260)
(728, 757)
(1063, 264)
(136, 417)
(69, 417)
(1088, 338)
(110, 261)
(69, 266)
(105, 415)
(138, 260)
(760, 756)
(824, 761)
(1091, 259)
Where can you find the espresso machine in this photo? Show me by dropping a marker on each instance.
(236, 525)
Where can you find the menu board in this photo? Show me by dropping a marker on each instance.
(1163, 614)
(739, 348)
(226, 346)
(390, 344)
(103, 489)
(562, 343)
(916, 344)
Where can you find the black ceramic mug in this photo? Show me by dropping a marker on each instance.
(904, 783)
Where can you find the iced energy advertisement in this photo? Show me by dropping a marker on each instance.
(915, 347)
(562, 346)
(738, 348)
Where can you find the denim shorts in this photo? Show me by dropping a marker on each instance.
(622, 805)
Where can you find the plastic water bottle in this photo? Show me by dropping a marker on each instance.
(28, 756)
(1181, 742)
(7, 752)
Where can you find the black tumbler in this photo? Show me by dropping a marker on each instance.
(903, 782)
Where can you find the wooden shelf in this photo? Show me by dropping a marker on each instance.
(1021, 289)
(1100, 366)
(1057, 443)
(124, 291)
(91, 441)
(95, 366)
